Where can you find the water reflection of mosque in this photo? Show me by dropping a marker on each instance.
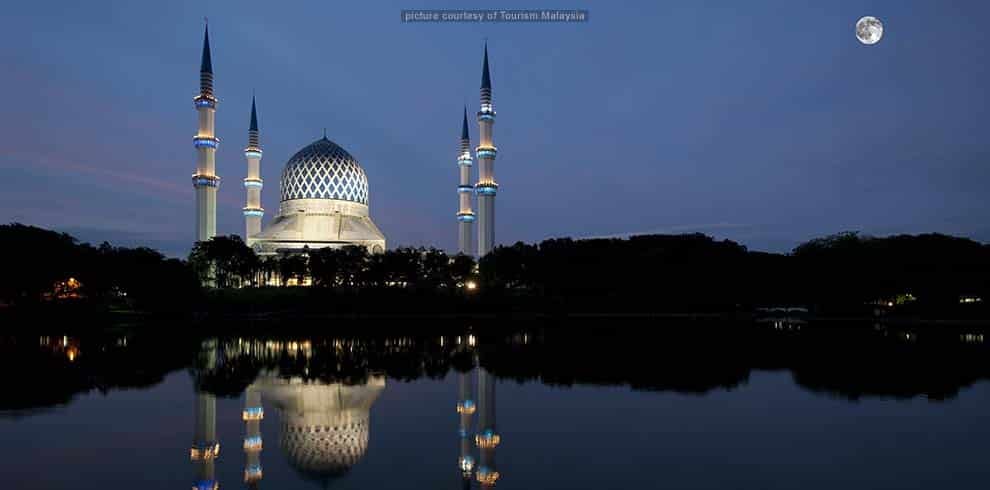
(324, 426)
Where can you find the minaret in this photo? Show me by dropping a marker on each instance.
(253, 183)
(465, 216)
(253, 414)
(486, 188)
(487, 438)
(465, 408)
(205, 179)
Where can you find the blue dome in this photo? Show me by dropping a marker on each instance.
(324, 170)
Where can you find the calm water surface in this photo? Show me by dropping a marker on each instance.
(752, 409)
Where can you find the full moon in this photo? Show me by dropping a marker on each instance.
(869, 30)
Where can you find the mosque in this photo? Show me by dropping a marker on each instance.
(324, 190)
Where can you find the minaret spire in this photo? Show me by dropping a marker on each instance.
(486, 188)
(465, 215)
(253, 212)
(486, 78)
(205, 180)
(254, 116)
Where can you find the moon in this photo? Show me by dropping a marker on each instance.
(869, 30)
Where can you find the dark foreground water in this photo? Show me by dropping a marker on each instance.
(749, 407)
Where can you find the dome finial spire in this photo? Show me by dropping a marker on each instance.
(464, 126)
(324, 133)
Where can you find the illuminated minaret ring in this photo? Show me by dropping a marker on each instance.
(253, 212)
(486, 188)
(465, 215)
(205, 180)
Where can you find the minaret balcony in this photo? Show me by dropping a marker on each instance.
(486, 152)
(205, 180)
(487, 440)
(205, 100)
(486, 188)
(465, 160)
(253, 413)
(465, 189)
(206, 141)
(205, 452)
(252, 152)
(465, 217)
(249, 212)
(249, 182)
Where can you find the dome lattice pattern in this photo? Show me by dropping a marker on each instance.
(325, 450)
(324, 170)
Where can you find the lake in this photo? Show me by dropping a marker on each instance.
(600, 405)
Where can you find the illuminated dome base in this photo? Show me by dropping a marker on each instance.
(324, 204)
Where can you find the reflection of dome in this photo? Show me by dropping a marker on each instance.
(324, 170)
(325, 450)
(324, 427)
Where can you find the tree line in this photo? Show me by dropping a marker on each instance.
(837, 274)
(227, 262)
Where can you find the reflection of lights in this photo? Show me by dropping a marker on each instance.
(252, 443)
(197, 453)
(252, 473)
(466, 464)
(487, 440)
(486, 476)
(471, 285)
(472, 340)
(466, 407)
(972, 338)
(253, 413)
(71, 353)
(206, 485)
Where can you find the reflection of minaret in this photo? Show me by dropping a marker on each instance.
(487, 438)
(253, 414)
(205, 448)
(466, 408)
(486, 187)
(205, 179)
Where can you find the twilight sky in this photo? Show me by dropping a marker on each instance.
(765, 122)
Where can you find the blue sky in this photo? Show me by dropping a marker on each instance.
(765, 122)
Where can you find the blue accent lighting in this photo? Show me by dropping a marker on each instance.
(465, 218)
(203, 141)
(205, 484)
(488, 152)
(254, 212)
(486, 190)
(464, 188)
(253, 183)
(252, 153)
